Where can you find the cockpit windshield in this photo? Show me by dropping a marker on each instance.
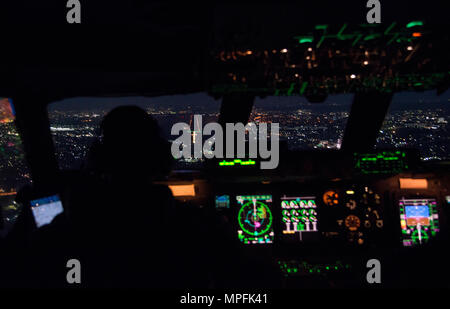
(74, 123)
(305, 125)
(420, 121)
(414, 120)
(14, 170)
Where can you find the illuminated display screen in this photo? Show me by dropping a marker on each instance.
(419, 221)
(237, 162)
(410, 183)
(255, 219)
(182, 190)
(222, 201)
(417, 212)
(383, 162)
(299, 219)
(46, 209)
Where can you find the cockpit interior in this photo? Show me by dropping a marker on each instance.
(363, 144)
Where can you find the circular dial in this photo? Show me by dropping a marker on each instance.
(419, 236)
(355, 215)
(352, 222)
(331, 198)
(255, 218)
(370, 202)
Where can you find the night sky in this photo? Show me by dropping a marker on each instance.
(403, 100)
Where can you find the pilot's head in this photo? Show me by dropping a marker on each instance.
(131, 145)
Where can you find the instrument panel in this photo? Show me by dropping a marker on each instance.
(351, 216)
(300, 218)
(354, 213)
(255, 219)
(327, 227)
(368, 212)
(419, 220)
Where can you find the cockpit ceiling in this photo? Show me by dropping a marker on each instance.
(343, 58)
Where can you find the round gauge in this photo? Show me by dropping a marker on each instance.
(372, 218)
(419, 237)
(352, 222)
(255, 218)
(331, 198)
(351, 204)
(286, 216)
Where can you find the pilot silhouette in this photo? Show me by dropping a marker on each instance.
(127, 230)
(130, 147)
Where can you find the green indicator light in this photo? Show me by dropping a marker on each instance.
(339, 35)
(393, 38)
(321, 27)
(358, 37)
(303, 87)
(237, 161)
(369, 159)
(390, 28)
(414, 23)
(320, 41)
(304, 39)
(371, 37)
